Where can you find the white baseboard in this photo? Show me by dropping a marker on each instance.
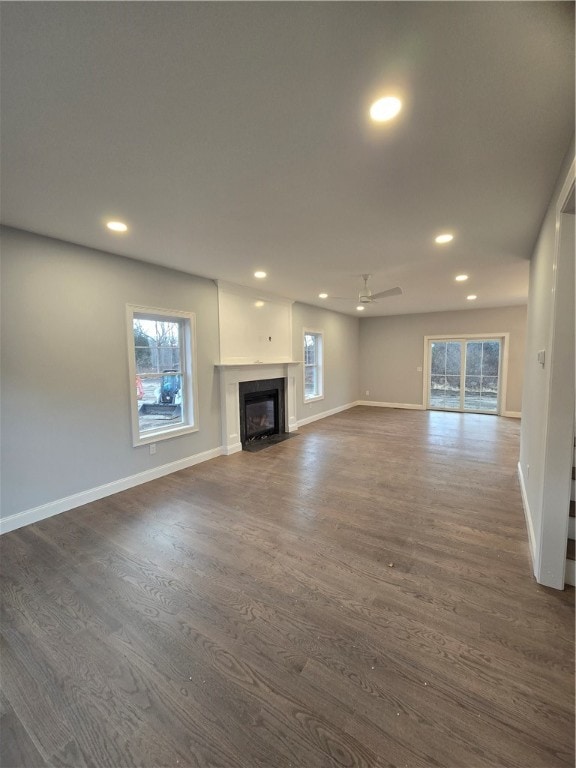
(34, 515)
(418, 407)
(411, 406)
(324, 414)
(230, 449)
(570, 573)
(528, 516)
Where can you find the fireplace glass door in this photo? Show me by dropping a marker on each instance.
(261, 414)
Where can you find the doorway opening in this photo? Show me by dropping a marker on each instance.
(464, 374)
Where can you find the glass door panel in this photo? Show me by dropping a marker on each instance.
(445, 375)
(482, 369)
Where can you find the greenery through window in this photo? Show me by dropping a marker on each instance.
(465, 375)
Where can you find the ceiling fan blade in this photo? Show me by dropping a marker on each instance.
(390, 292)
(343, 298)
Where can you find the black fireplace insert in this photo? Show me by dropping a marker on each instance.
(261, 409)
(261, 414)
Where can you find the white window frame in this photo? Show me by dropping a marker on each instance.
(187, 322)
(319, 364)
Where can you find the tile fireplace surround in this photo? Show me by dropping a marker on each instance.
(231, 375)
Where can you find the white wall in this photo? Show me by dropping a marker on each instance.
(392, 349)
(341, 358)
(65, 385)
(546, 442)
(254, 326)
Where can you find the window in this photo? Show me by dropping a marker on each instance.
(313, 360)
(161, 346)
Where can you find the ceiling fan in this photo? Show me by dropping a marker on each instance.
(366, 296)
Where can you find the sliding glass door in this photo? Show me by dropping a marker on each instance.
(445, 375)
(464, 375)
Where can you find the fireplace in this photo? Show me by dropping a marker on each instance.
(233, 376)
(261, 409)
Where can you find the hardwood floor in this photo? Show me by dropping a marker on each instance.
(360, 595)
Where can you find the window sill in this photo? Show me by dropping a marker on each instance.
(313, 399)
(165, 434)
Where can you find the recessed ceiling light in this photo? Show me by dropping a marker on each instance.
(472, 297)
(385, 109)
(259, 303)
(322, 295)
(461, 278)
(117, 226)
(445, 238)
(260, 274)
(360, 308)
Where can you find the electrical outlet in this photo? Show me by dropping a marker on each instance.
(152, 449)
(419, 369)
(367, 391)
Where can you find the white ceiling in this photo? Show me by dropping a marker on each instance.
(234, 136)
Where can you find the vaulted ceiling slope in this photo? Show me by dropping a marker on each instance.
(232, 137)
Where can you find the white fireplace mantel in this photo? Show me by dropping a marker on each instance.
(231, 374)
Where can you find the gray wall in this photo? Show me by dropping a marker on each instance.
(341, 357)
(392, 348)
(546, 443)
(65, 386)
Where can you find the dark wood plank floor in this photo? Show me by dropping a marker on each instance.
(360, 595)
